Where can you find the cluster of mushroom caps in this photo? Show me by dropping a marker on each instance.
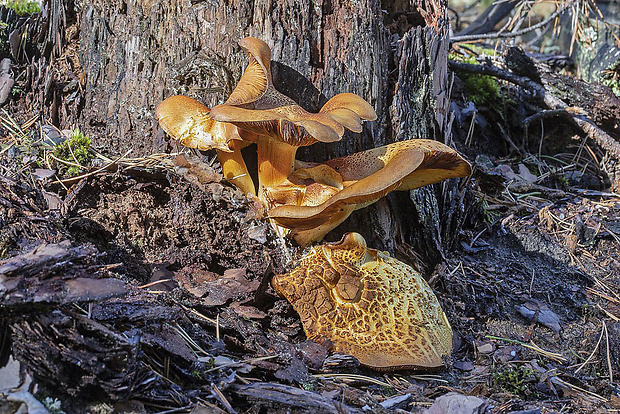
(355, 299)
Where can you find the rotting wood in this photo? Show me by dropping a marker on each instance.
(54, 274)
(284, 397)
(597, 101)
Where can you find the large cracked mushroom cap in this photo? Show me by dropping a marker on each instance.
(368, 305)
(190, 122)
(257, 106)
(367, 176)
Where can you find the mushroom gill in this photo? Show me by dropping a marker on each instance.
(369, 305)
(189, 122)
(367, 176)
(281, 124)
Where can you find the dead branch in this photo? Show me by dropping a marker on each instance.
(502, 35)
(552, 101)
(490, 17)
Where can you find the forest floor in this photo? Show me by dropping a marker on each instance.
(144, 286)
(532, 296)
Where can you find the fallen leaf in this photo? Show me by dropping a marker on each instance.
(231, 285)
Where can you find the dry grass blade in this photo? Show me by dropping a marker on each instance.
(98, 170)
(602, 295)
(215, 391)
(17, 132)
(611, 315)
(192, 344)
(429, 378)
(249, 361)
(352, 378)
(161, 161)
(554, 356)
(154, 283)
(576, 388)
(200, 315)
(609, 366)
(593, 351)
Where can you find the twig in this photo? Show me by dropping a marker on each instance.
(98, 170)
(501, 35)
(551, 112)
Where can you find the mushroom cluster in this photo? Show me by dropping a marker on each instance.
(360, 300)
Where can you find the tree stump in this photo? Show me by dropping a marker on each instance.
(135, 53)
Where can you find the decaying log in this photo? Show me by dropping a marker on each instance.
(598, 101)
(79, 355)
(271, 396)
(54, 274)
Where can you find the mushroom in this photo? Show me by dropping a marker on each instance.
(189, 122)
(361, 179)
(281, 124)
(369, 305)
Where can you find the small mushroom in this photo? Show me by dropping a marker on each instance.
(369, 305)
(281, 124)
(365, 177)
(189, 122)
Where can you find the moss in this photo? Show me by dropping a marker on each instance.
(514, 380)
(75, 150)
(480, 89)
(53, 405)
(611, 78)
(23, 7)
(309, 386)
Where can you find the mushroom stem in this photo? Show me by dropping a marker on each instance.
(275, 163)
(234, 168)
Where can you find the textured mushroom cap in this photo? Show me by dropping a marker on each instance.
(188, 121)
(368, 305)
(370, 175)
(257, 106)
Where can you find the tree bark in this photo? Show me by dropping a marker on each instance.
(136, 53)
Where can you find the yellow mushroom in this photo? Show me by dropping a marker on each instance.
(369, 305)
(361, 179)
(189, 122)
(282, 125)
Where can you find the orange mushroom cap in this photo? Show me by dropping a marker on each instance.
(188, 121)
(368, 176)
(369, 305)
(257, 106)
